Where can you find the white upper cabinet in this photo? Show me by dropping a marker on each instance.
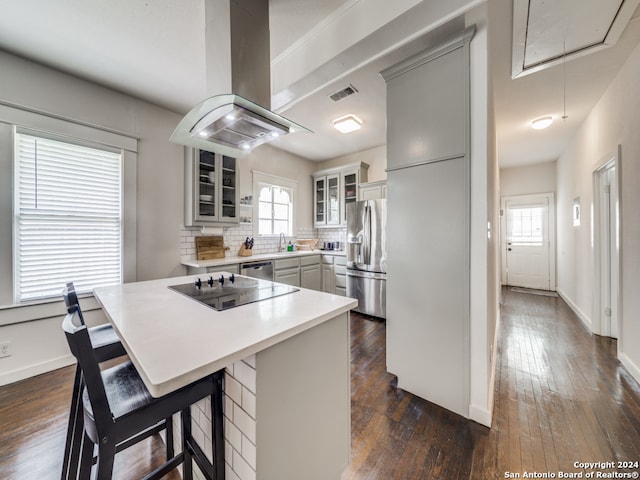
(212, 188)
(428, 110)
(333, 190)
(372, 190)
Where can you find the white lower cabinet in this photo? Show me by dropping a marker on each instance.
(334, 274)
(311, 273)
(290, 276)
(340, 270)
(328, 280)
(302, 272)
(287, 271)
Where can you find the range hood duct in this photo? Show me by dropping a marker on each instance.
(238, 61)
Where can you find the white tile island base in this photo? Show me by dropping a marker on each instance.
(286, 408)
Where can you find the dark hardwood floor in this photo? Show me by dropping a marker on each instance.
(33, 422)
(560, 397)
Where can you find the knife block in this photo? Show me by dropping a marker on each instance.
(245, 252)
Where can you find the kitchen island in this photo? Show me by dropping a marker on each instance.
(287, 372)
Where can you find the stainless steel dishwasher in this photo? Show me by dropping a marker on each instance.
(262, 270)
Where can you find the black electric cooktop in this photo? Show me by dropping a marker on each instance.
(223, 293)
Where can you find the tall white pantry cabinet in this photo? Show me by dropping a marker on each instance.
(428, 202)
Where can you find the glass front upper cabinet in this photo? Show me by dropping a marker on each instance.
(212, 189)
(349, 191)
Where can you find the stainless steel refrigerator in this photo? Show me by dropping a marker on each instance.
(367, 256)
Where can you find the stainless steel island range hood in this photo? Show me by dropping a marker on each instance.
(238, 61)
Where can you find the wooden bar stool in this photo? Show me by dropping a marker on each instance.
(119, 411)
(106, 346)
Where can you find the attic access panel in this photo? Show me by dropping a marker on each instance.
(545, 31)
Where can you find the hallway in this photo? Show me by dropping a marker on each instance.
(561, 394)
(561, 397)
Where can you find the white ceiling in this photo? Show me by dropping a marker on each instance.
(155, 50)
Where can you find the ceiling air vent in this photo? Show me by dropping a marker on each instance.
(345, 92)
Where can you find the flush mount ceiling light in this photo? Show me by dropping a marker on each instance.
(348, 123)
(542, 122)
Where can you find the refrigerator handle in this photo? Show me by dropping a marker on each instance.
(367, 235)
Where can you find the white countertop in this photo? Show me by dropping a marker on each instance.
(174, 340)
(256, 258)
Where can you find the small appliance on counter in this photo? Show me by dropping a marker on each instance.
(331, 246)
(367, 256)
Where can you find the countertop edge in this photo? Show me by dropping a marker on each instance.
(253, 349)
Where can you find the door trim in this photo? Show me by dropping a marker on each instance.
(551, 218)
(597, 323)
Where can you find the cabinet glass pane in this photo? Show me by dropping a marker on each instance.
(350, 186)
(333, 199)
(229, 207)
(207, 184)
(320, 197)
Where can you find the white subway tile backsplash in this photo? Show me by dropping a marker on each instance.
(233, 435)
(231, 475)
(249, 452)
(245, 375)
(249, 402)
(242, 467)
(234, 236)
(244, 422)
(233, 389)
(250, 360)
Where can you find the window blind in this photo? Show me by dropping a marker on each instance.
(68, 217)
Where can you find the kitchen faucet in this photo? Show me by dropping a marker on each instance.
(281, 242)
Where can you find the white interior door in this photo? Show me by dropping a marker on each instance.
(607, 246)
(527, 242)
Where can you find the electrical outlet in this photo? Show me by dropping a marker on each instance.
(5, 349)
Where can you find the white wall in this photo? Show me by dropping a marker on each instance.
(538, 178)
(484, 286)
(614, 120)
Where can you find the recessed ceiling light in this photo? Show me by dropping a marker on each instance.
(542, 122)
(348, 123)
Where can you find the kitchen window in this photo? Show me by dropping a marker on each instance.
(68, 222)
(275, 198)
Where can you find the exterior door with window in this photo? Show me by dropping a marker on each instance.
(527, 243)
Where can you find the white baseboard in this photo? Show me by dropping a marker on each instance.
(484, 415)
(579, 313)
(480, 415)
(634, 369)
(37, 369)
